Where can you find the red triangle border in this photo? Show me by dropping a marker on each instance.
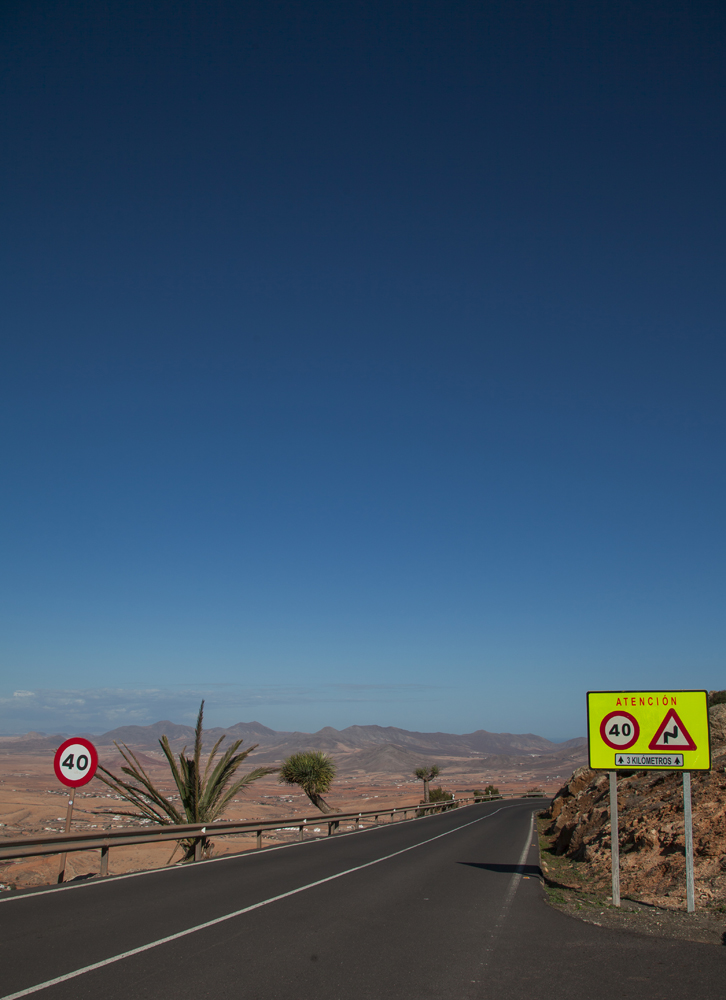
(672, 716)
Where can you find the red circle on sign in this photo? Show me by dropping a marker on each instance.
(623, 715)
(75, 762)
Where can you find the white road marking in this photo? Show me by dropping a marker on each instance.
(509, 897)
(516, 878)
(246, 909)
(234, 856)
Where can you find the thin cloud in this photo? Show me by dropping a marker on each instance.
(97, 710)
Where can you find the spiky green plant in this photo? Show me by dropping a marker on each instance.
(203, 795)
(313, 771)
(426, 774)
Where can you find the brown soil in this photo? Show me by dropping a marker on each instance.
(32, 802)
(584, 892)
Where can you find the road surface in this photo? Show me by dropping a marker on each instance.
(448, 908)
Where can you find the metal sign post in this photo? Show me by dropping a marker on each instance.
(688, 831)
(649, 731)
(69, 816)
(614, 838)
(75, 763)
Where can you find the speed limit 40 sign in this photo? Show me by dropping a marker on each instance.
(75, 762)
(633, 730)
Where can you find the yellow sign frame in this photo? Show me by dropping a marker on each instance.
(648, 730)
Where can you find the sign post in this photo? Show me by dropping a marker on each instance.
(653, 731)
(75, 763)
(688, 824)
(614, 841)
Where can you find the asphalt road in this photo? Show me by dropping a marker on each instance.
(445, 907)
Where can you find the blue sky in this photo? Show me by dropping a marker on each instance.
(361, 363)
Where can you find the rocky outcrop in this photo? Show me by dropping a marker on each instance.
(717, 720)
(651, 825)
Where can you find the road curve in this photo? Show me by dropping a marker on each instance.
(445, 907)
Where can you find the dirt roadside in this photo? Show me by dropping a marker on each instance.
(574, 888)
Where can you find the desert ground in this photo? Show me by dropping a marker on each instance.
(32, 801)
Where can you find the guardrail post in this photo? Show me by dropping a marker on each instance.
(198, 850)
(301, 831)
(259, 840)
(104, 861)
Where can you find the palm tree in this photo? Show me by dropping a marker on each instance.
(313, 771)
(204, 795)
(426, 774)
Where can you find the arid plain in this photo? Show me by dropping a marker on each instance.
(375, 769)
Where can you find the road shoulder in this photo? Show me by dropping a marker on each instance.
(574, 889)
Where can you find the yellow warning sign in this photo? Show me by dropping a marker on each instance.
(660, 730)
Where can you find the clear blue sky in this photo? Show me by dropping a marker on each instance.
(362, 362)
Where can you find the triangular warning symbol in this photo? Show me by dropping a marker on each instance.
(672, 734)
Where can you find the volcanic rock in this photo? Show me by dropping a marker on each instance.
(651, 825)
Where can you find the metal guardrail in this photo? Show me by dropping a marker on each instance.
(66, 843)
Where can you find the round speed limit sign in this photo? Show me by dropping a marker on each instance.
(619, 730)
(75, 762)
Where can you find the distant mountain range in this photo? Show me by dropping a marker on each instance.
(344, 740)
(371, 748)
